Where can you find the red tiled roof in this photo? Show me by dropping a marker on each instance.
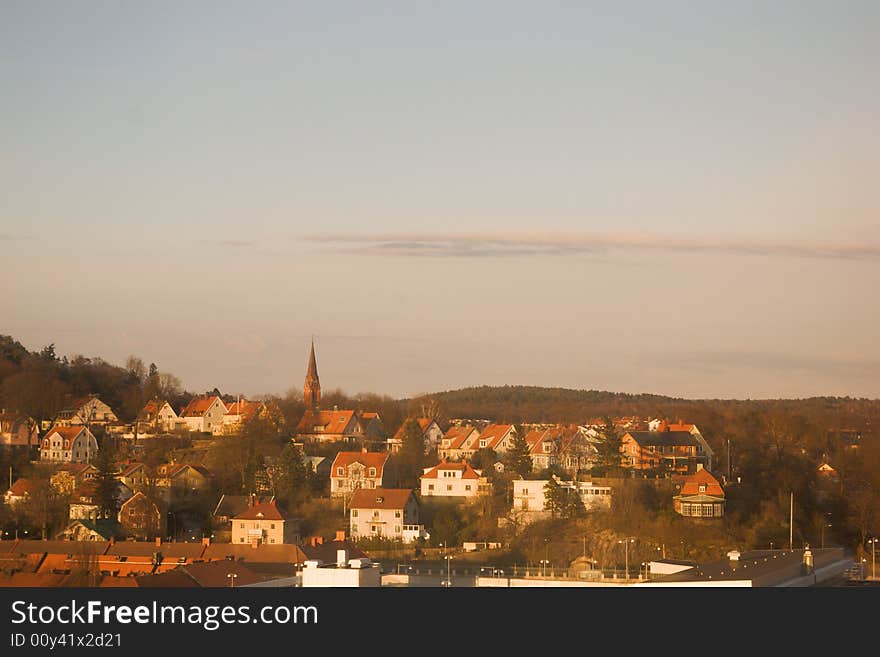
(380, 498)
(327, 422)
(494, 433)
(423, 422)
(458, 435)
(692, 484)
(264, 511)
(22, 487)
(68, 433)
(246, 409)
(467, 472)
(367, 459)
(199, 406)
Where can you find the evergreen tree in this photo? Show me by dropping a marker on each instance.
(294, 480)
(106, 484)
(609, 450)
(518, 460)
(412, 454)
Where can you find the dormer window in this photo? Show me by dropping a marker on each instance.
(702, 488)
(372, 472)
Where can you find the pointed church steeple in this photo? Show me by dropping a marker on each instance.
(312, 385)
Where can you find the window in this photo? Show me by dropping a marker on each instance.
(272, 526)
(372, 472)
(396, 529)
(340, 472)
(448, 487)
(354, 513)
(272, 540)
(467, 487)
(241, 525)
(397, 514)
(702, 488)
(430, 486)
(241, 539)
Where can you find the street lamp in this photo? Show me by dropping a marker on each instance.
(231, 577)
(544, 563)
(873, 542)
(626, 543)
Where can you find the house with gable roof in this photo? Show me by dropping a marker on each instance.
(329, 426)
(68, 444)
(265, 523)
(85, 411)
(18, 430)
(204, 414)
(458, 442)
(454, 480)
(354, 470)
(159, 416)
(497, 437)
(391, 513)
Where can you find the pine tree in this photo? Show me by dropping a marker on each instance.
(609, 449)
(518, 460)
(106, 484)
(412, 454)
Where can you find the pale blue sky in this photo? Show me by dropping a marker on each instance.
(674, 197)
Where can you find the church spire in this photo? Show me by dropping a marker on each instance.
(312, 385)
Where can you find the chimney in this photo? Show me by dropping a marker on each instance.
(733, 555)
(158, 542)
(206, 540)
(363, 450)
(315, 541)
(112, 541)
(335, 407)
(340, 535)
(341, 558)
(699, 466)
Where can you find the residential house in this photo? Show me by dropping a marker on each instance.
(239, 412)
(663, 451)
(453, 480)
(544, 448)
(229, 506)
(320, 465)
(142, 518)
(458, 442)
(432, 435)
(529, 496)
(497, 437)
(135, 475)
(681, 425)
(71, 476)
(264, 523)
(353, 470)
(159, 416)
(204, 414)
(84, 504)
(86, 411)
(329, 426)
(180, 482)
(701, 496)
(391, 513)
(18, 430)
(20, 491)
(577, 449)
(68, 444)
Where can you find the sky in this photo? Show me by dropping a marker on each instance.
(677, 198)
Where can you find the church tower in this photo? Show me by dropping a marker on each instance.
(312, 385)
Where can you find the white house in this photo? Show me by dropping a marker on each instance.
(86, 411)
(453, 480)
(383, 512)
(204, 414)
(159, 415)
(68, 444)
(497, 437)
(458, 442)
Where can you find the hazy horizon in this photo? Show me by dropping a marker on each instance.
(675, 199)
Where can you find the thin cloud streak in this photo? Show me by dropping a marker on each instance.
(483, 246)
